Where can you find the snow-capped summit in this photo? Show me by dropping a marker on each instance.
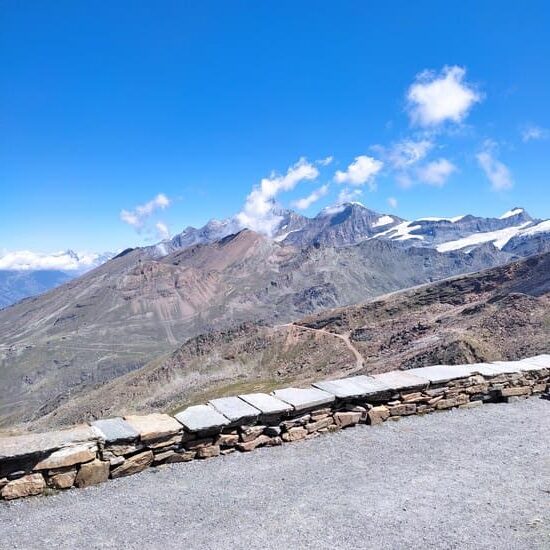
(514, 212)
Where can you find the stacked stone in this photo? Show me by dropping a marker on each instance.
(31, 464)
(117, 447)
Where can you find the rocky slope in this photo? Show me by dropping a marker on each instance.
(500, 313)
(145, 302)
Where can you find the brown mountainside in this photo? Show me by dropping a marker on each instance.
(500, 313)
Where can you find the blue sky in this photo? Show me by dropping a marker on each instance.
(106, 106)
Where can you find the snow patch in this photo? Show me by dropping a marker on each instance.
(511, 213)
(499, 238)
(383, 220)
(400, 232)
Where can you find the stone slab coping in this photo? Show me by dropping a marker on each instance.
(235, 409)
(534, 363)
(36, 444)
(487, 369)
(115, 430)
(154, 426)
(304, 398)
(201, 417)
(437, 374)
(398, 380)
(542, 360)
(267, 404)
(355, 386)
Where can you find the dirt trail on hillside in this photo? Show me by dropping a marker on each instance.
(346, 338)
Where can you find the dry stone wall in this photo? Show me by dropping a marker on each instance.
(115, 447)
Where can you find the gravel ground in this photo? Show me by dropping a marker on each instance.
(461, 479)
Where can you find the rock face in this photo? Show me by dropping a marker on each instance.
(25, 486)
(63, 480)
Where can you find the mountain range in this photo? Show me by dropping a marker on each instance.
(133, 312)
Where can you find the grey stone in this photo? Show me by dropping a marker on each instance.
(115, 430)
(152, 427)
(36, 444)
(200, 418)
(355, 386)
(438, 374)
(235, 409)
(399, 380)
(304, 398)
(267, 404)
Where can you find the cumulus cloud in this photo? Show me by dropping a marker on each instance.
(163, 232)
(306, 202)
(25, 260)
(435, 98)
(436, 172)
(348, 195)
(534, 133)
(361, 171)
(496, 171)
(258, 212)
(137, 217)
(408, 152)
(392, 202)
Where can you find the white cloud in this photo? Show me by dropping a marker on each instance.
(408, 152)
(392, 201)
(436, 172)
(163, 232)
(137, 217)
(362, 170)
(306, 202)
(533, 133)
(326, 161)
(258, 212)
(436, 98)
(348, 195)
(497, 172)
(25, 260)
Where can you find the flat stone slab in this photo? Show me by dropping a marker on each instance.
(235, 409)
(355, 386)
(201, 417)
(304, 398)
(534, 363)
(542, 360)
(36, 444)
(437, 374)
(115, 430)
(154, 426)
(267, 404)
(505, 367)
(398, 380)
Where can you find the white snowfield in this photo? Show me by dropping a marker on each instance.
(511, 213)
(383, 220)
(499, 238)
(401, 232)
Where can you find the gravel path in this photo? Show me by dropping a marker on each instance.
(461, 479)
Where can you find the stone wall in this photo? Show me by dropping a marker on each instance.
(107, 449)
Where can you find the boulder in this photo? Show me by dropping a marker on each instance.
(344, 419)
(68, 456)
(32, 484)
(92, 473)
(377, 415)
(62, 480)
(133, 465)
